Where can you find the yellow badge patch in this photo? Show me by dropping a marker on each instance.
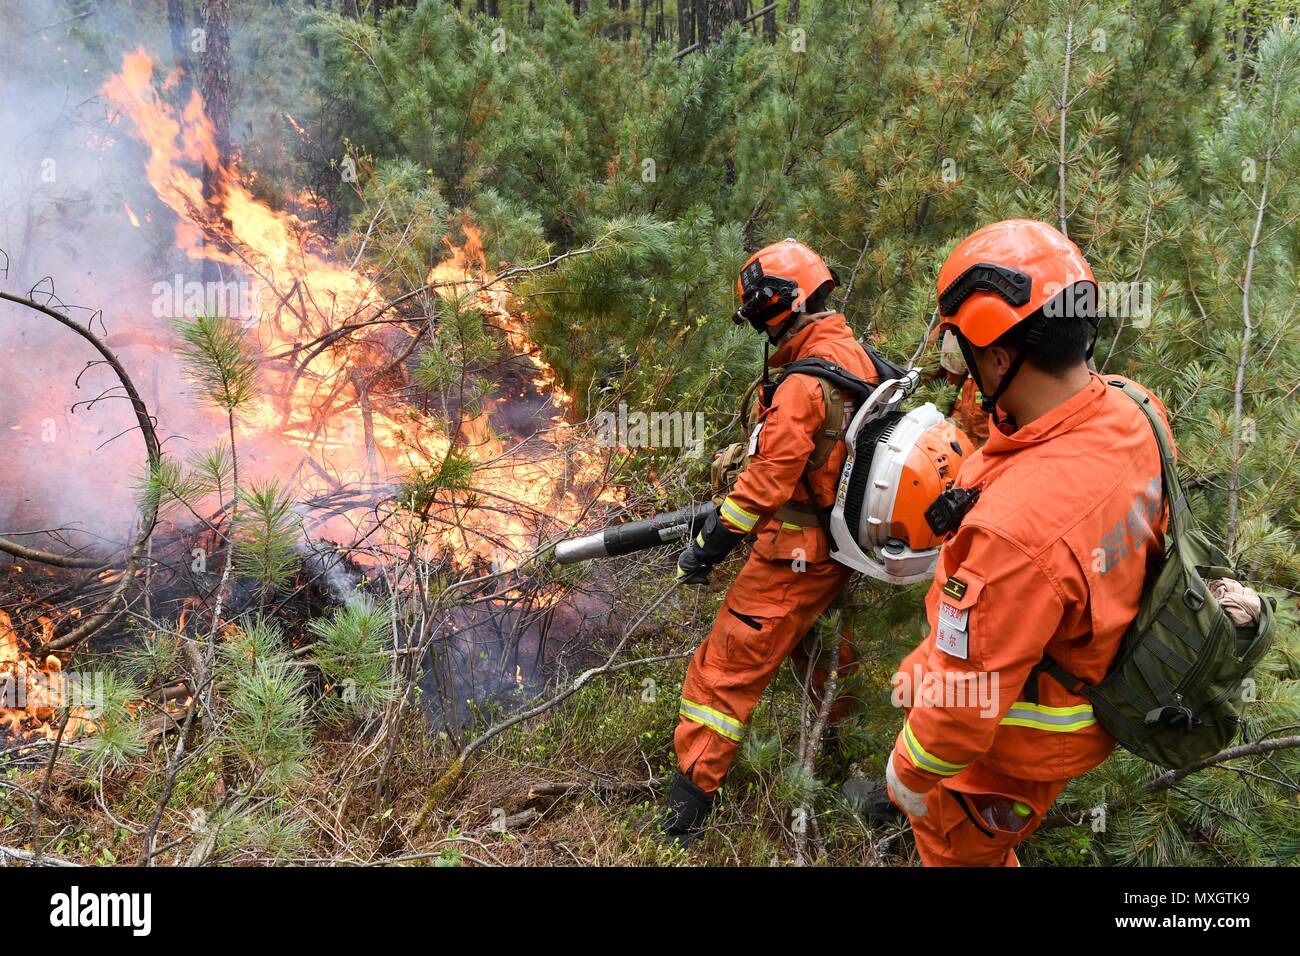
(955, 587)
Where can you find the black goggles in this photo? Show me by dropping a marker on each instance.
(765, 299)
(1011, 284)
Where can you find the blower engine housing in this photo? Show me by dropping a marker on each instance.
(898, 463)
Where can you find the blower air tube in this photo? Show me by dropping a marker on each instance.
(633, 536)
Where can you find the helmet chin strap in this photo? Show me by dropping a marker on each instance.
(777, 335)
(989, 400)
(1095, 323)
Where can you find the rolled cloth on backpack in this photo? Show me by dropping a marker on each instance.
(1239, 602)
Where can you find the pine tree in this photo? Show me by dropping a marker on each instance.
(1159, 135)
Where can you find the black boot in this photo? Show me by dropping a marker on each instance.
(684, 811)
(870, 799)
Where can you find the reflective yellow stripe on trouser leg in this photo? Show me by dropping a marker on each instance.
(715, 720)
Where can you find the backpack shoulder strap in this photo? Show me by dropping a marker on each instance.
(885, 369)
(1173, 488)
(827, 372)
(1173, 491)
(746, 403)
(835, 382)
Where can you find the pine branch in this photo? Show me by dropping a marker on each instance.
(1170, 777)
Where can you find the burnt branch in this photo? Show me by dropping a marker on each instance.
(113, 606)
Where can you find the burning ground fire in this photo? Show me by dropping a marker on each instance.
(332, 416)
(333, 421)
(30, 691)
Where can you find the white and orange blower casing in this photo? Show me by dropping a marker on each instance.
(897, 464)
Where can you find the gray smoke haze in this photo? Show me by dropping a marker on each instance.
(65, 178)
(72, 177)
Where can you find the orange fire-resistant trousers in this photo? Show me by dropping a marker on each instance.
(768, 611)
(953, 833)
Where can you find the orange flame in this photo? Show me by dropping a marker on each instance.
(332, 416)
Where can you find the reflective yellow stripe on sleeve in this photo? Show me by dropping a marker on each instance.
(738, 516)
(925, 760)
(1061, 720)
(715, 720)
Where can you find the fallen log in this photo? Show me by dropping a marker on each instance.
(556, 791)
(26, 856)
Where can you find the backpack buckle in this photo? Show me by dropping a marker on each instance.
(1193, 600)
(1171, 715)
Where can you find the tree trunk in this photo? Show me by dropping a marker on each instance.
(215, 87)
(312, 46)
(792, 12)
(176, 24)
(685, 23)
(769, 24)
(721, 14)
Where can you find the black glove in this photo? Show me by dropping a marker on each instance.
(710, 546)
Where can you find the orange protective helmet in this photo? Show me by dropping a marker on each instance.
(777, 282)
(1002, 274)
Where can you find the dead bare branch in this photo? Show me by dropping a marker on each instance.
(114, 604)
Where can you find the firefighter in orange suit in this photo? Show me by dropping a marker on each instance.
(1045, 569)
(789, 579)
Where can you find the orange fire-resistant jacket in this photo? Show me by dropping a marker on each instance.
(1051, 559)
(783, 438)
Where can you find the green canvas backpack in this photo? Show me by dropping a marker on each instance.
(1177, 688)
